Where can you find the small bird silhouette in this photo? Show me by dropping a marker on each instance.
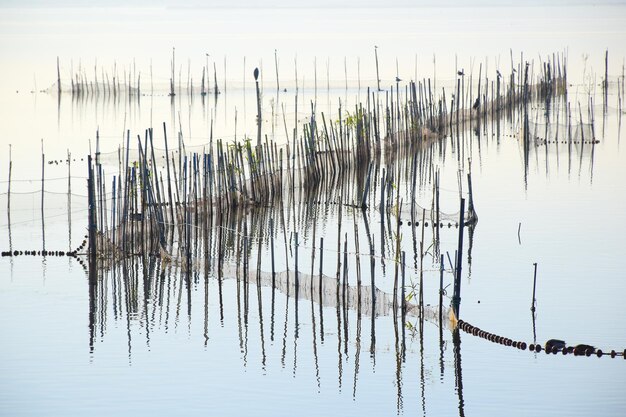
(476, 104)
(498, 74)
(461, 73)
(256, 74)
(398, 79)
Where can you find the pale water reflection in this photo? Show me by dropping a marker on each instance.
(221, 334)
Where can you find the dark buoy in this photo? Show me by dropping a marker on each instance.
(582, 349)
(599, 353)
(559, 344)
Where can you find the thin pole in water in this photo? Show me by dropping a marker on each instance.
(441, 267)
(69, 196)
(91, 215)
(272, 249)
(258, 106)
(43, 157)
(9, 190)
(58, 78)
(403, 284)
(532, 306)
(377, 74)
(456, 299)
(296, 249)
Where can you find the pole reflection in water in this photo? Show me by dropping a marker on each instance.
(147, 307)
(233, 197)
(458, 370)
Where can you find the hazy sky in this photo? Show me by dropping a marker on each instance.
(290, 3)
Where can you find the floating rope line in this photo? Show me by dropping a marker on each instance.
(73, 253)
(553, 346)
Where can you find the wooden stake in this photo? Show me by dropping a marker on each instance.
(259, 120)
(9, 190)
(532, 306)
(456, 298)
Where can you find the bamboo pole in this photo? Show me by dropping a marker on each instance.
(9, 186)
(43, 228)
(259, 119)
(456, 298)
(534, 301)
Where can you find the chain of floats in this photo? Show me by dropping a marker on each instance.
(551, 346)
(72, 253)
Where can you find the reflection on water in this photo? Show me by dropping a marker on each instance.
(318, 332)
(150, 298)
(252, 313)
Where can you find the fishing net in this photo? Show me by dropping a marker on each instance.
(561, 132)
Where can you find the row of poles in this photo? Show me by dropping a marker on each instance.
(150, 209)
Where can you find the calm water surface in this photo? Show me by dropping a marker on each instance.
(154, 342)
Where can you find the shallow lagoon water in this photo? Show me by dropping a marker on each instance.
(163, 358)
